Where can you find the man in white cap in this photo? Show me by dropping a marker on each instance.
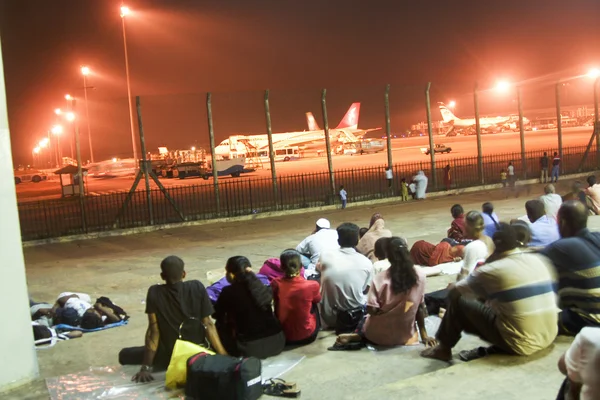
(323, 238)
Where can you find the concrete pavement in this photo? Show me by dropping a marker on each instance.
(122, 268)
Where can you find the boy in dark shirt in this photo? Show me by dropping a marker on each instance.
(168, 306)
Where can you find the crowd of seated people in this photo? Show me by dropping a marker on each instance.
(370, 288)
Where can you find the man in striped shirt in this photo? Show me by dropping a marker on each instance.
(519, 315)
(577, 260)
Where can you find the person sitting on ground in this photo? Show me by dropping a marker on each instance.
(551, 200)
(576, 258)
(581, 364)
(457, 227)
(296, 301)
(576, 193)
(519, 313)
(394, 304)
(322, 238)
(544, 230)
(90, 317)
(168, 306)
(366, 244)
(490, 219)
(593, 195)
(272, 269)
(345, 276)
(479, 249)
(427, 254)
(382, 262)
(245, 320)
(421, 185)
(523, 234)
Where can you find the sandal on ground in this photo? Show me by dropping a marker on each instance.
(348, 346)
(287, 385)
(280, 390)
(479, 352)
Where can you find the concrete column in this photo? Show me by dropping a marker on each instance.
(19, 361)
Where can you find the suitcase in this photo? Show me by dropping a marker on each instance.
(223, 378)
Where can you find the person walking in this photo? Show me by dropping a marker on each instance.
(544, 168)
(555, 168)
(447, 177)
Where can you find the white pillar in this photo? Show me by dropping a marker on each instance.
(18, 361)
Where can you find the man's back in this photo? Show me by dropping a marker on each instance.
(544, 162)
(173, 304)
(552, 203)
(318, 242)
(345, 277)
(577, 262)
(544, 231)
(519, 288)
(583, 362)
(594, 193)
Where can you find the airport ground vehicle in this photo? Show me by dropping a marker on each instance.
(29, 175)
(438, 148)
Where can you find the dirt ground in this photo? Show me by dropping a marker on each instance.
(122, 268)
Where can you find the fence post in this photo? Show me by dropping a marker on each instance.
(522, 133)
(211, 136)
(144, 162)
(559, 127)
(271, 151)
(388, 123)
(328, 144)
(430, 133)
(79, 171)
(478, 133)
(597, 120)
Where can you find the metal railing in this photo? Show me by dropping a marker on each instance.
(62, 217)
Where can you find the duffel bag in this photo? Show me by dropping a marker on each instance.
(221, 377)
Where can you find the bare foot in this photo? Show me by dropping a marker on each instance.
(438, 352)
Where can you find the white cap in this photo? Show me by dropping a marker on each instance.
(323, 223)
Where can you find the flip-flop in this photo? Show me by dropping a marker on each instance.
(280, 390)
(473, 354)
(348, 346)
(287, 385)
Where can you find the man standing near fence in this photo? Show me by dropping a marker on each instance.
(389, 175)
(544, 167)
(555, 168)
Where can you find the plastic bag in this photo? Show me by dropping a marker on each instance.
(177, 370)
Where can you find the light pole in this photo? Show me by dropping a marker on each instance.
(69, 99)
(85, 71)
(56, 131)
(124, 12)
(34, 152)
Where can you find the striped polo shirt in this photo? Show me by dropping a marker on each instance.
(577, 262)
(519, 288)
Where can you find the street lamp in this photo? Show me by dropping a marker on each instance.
(452, 104)
(43, 143)
(57, 129)
(125, 11)
(68, 97)
(70, 116)
(57, 111)
(502, 86)
(85, 71)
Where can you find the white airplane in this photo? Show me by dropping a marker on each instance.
(346, 131)
(510, 122)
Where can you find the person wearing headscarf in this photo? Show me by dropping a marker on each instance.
(366, 245)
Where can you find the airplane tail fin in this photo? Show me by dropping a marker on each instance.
(350, 120)
(447, 115)
(312, 122)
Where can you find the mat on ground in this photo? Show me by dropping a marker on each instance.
(115, 382)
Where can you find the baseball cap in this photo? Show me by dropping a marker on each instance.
(323, 223)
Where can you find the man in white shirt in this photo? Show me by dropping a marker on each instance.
(581, 364)
(389, 175)
(552, 201)
(345, 276)
(593, 194)
(322, 239)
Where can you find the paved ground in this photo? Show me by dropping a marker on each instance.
(404, 151)
(122, 268)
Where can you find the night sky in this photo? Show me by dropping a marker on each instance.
(180, 49)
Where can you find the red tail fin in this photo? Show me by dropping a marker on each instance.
(312, 123)
(350, 120)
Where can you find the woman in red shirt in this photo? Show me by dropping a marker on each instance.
(296, 301)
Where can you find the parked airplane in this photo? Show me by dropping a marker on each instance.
(510, 122)
(346, 131)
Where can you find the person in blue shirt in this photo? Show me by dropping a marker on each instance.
(544, 230)
(491, 221)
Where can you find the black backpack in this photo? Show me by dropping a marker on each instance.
(223, 378)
